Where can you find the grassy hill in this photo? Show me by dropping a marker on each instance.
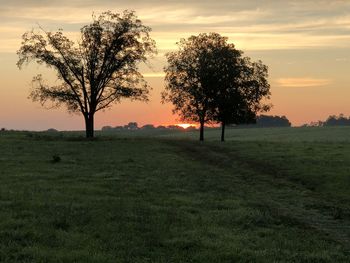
(265, 195)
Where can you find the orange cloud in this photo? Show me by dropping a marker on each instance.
(302, 82)
(154, 75)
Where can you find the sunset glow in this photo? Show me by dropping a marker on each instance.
(305, 44)
(185, 125)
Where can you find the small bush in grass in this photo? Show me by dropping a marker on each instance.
(337, 213)
(56, 158)
(129, 160)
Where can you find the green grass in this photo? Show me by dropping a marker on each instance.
(265, 195)
(287, 134)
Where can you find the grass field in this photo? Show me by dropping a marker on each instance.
(265, 195)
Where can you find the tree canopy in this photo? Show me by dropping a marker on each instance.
(209, 81)
(102, 68)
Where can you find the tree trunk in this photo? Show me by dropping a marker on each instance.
(89, 125)
(201, 131)
(223, 131)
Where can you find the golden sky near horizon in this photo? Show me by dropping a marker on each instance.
(306, 45)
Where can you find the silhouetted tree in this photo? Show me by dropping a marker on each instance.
(184, 73)
(95, 72)
(208, 80)
(236, 85)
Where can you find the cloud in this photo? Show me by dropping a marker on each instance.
(154, 75)
(251, 25)
(341, 59)
(302, 82)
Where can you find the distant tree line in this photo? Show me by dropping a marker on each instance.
(261, 121)
(339, 120)
(269, 121)
(332, 120)
(133, 126)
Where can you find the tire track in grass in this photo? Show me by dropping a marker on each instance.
(288, 199)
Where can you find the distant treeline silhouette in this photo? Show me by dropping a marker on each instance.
(261, 121)
(133, 126)
(269, 121)
(332, 120)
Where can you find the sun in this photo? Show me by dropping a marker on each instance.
(184, 125)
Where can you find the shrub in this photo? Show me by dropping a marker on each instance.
(56, 158)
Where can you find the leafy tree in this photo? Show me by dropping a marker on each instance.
(184, 73)
(208, 81)
(95, 72)
(236, 85)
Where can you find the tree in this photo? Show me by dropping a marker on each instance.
(236, 85)
(208, 80)
(184, 73)
(240, 88)
(99, 70)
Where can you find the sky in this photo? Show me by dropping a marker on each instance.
(305, 44)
